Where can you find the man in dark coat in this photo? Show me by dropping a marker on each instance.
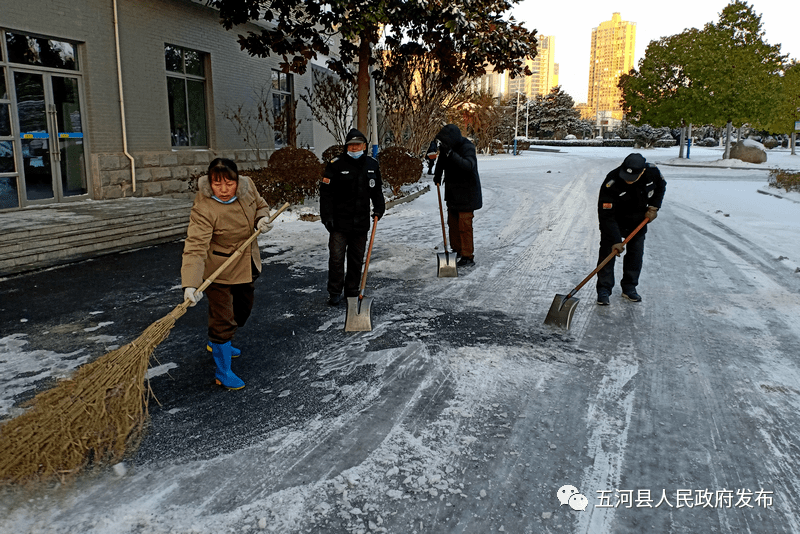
(629, 193)
(458, 169)
(348, 184)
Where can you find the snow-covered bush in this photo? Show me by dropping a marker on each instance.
(788, 180)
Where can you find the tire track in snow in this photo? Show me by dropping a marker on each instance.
(520, 271)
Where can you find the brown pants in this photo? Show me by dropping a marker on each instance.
(460, 225)
(229, 306)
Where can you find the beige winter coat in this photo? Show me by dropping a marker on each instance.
(216, 230)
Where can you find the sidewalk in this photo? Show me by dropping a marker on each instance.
(43, 236)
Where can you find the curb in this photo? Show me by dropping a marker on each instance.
(776, 196)
(409, 198)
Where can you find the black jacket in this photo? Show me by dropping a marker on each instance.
(346, 189)
(622, 206)
(458, 169)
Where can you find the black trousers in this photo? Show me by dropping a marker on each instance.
(350, 245)
(631, 263)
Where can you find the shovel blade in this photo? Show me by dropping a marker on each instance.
(446, 265)
(358, 315)
(561, 311)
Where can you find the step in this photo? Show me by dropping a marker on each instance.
(43, 236)
(32, 260)
(65, 238)
(77, 225)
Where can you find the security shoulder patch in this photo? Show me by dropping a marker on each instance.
(607, 205)
(335, 159)
(326, 180)
(610, 183)
(371, 170)
(650, 194)
(372, 182)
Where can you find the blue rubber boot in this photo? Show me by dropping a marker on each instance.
(221, 353)
(235, 353)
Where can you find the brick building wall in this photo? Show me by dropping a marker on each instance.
(232, 78)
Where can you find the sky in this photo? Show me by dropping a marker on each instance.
(572, 28)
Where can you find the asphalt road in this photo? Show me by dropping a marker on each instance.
(460, 411)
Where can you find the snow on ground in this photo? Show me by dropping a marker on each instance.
(537, 235)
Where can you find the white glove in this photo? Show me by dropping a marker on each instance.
(191, 294)
(263, 225)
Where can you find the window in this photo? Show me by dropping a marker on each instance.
(186, 92)
(40, 51)
(8, 182)
(282, 107)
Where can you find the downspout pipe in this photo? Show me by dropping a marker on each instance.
(122, 102)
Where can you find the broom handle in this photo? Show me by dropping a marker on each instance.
(236, 254)
(441, 216)
(366, 263)
(608, 259)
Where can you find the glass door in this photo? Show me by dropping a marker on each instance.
(51, 136)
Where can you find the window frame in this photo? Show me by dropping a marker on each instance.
(187, 80)
(286, 96)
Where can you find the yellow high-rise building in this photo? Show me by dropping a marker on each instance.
(544, 68)
(612, 52)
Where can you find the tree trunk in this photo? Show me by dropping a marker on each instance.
(682, 141)
(362, 106)
(728, 131)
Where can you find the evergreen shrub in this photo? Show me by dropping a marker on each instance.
(399, 167)
(292, 175)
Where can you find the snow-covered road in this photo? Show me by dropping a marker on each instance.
(462, 412)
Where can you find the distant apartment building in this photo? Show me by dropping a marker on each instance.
(544, 69)
(611, 56)
(493, 83)
(103, 100)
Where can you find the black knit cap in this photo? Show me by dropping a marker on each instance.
(355, 137)
(632, 167)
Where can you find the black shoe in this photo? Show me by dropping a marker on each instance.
(465, 262)
(602, 299)
(632, 296)
(335, 299)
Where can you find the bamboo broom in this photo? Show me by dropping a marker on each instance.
(97, 414)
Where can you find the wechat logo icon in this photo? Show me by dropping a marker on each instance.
(570, 496)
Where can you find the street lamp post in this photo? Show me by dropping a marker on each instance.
(516, 124)
(527, 118)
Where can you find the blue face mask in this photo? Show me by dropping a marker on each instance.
(233, 198)
(355, 155)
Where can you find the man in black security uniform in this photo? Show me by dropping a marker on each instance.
(629, 193)
(348, 184)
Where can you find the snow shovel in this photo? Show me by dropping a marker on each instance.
(358, 308)
(563, 307)
(445, 261)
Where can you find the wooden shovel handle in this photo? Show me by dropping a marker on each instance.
(608, 259)
(366, 263)
(239, 252)
(441, 215)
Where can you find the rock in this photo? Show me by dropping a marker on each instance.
(749, 152)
